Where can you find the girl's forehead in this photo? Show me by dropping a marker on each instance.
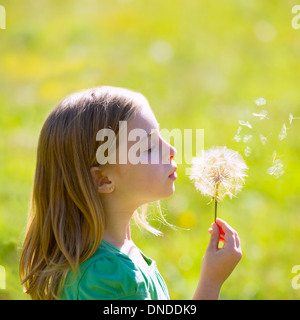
(144, 119)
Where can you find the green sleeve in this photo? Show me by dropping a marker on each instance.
(111, 278)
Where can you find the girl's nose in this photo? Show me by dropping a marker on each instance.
(170, 154)
(174, 152)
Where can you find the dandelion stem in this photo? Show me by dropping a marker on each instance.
(216, 200)
(216, 207)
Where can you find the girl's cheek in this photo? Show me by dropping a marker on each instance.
(154, 156)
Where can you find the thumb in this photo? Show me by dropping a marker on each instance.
(214, 238)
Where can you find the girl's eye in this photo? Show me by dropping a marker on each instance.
(149, 150)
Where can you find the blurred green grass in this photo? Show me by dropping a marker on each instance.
(201, 64)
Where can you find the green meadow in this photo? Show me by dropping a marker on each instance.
(201, 65)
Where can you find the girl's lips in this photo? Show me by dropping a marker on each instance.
(173, 175)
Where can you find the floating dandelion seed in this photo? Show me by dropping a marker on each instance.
(245, 123)
(247, 151)
(262, 115)
(218, 172)
(260, 101)
(237, 138)
(247, 137)
(277, 168)
(263, 139)
(282, 134)
(291, 118)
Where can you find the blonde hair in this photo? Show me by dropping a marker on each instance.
(66, 217)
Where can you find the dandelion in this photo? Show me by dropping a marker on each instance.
(218, 172)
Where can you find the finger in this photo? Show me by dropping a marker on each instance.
(226, 228)
(237, 241)
(221, 230)
(221, 238)
(231, 236)
(214, 238)
(224, 225)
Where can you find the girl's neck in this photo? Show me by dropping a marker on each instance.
(118, 213)
(118, 239)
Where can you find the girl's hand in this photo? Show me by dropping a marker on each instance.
(218, 263)
(222, 234)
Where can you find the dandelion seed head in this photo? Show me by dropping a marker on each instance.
(218, 166)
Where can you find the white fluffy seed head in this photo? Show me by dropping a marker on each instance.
(218, 171)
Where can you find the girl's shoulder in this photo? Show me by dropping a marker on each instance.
(107, 274)
(106, 260)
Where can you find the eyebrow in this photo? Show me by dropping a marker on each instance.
(152, 131)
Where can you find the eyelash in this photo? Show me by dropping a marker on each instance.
(150, 149)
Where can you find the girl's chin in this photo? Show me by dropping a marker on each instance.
(165, 193)
(169, 192)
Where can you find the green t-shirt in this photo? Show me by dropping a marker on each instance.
(110, 274)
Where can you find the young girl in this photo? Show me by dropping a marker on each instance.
(78, 243)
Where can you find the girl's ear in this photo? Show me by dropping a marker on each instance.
(101, 181)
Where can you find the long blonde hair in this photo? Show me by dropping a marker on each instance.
(66, 217)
